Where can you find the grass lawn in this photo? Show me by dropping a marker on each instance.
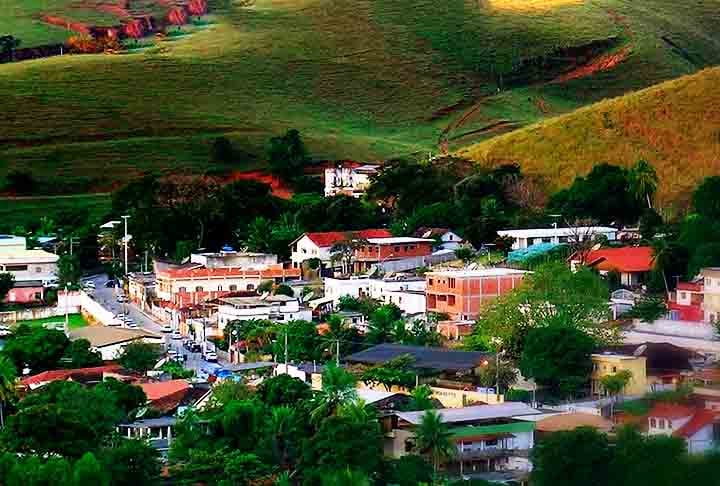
(360, 79)
(26, 213)
(75, 321)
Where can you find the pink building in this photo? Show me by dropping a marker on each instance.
(26, 292)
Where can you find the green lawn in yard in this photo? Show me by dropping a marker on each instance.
(360, 79)
(75, 321)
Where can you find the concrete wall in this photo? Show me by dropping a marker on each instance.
(82, 302)
(35, 313)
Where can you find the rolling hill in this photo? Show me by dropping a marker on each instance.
(675, 126)
(360, 79)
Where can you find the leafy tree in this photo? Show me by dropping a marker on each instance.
(643, 181)
(615, 384)
(465, 254)
(7, 282)
(8, 376)
(287, 155)
(384, 322)
(342, 442)
(365, 306)
(552, 296)
(242, 424)
(37, 348)
(346, 477)
(84, 415)
(20, 182)
(338, 387)
(222, 150)
(284, 289)
(706, 198)
(558, 357)
(605, 195)
(488, 376)
(396, 372)
(283, 390)
(284, 429)
(8, 44)
(139, 356)
(265, 286)
(69, 271)
(89, 472)
(648, 461)
(79, 354)
(131, 463)
(434, 439)
(229, 391)
(128, 397)
(243, 469)
(579, 457)
(177, 370)
(259, 235)
(649, 308)
(410, 470)
(344, 252)
(650, 224)
(304, 343)
(421, 399)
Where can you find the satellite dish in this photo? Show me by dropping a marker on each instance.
(640, 350)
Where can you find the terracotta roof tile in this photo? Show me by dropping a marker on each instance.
(670, 411)
(161, 389)
(76, 374)
(699, 420)
(625, 259)
(329, 238)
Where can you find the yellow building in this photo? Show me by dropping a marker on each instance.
(610, 363)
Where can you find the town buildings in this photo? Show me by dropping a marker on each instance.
(111, 341)
(699, 427)
(632, 263)
(280, 308)
(32, 269)
(445, 239)
(394, 253)
(524, 238)
(407, 291)
(698, 300)
(461, 293)
(348, 178)
(311, 246)
(213, 275)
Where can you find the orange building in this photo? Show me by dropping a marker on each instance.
(461, 293)
(380, 250)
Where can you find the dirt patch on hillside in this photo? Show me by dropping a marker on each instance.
(602, 63)
(278, 187)
(78, 27)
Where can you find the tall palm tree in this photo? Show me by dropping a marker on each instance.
(338, 388)
(7, 385)
(358, 412)
(283, 424)
(644, 181)
(434, 439)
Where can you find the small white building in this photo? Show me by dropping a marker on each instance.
(279, 308)
(350, 179)
(407, 292)
(448, 240)
(525, 238)
(111, 341)
(26, 264)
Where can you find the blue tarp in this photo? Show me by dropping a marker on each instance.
(525, 254)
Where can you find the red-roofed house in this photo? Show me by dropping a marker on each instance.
(166, 396)
(82, 375)
(210, 276)
(633, 263)
(318, 245)
(698, 426)
(686, 302)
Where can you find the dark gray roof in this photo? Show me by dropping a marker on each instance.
(249, 366)
(429, 358)
(154, 422)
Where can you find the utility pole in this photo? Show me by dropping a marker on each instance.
(125, 241)
(67, 317)
(337, 354)
(286, 351)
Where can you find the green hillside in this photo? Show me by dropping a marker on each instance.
(360, 79)
(675, 126)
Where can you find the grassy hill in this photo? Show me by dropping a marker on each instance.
(360, 79)
(675, 126)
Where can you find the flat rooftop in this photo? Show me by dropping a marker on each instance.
(549, 232)
(256, 301)
(474, 413)
(484, 272)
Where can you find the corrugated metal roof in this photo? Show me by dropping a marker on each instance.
(511, 428)
(475, 413)
(425, 357)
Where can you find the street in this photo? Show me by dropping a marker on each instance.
(107, 297)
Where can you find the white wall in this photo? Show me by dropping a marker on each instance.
(336, 287)
(306, 249)
(114, 351)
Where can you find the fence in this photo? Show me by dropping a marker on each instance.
(11, 317)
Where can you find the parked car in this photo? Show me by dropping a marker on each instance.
(210, 356)
(195, 348)
(89, 284)
(132, 325)
(171, 353)
(122, 299)
(166, 328)
(176, 335)
(110, 283)
(115, 322)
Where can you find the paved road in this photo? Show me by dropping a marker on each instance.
(107, 297)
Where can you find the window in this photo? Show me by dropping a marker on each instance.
(182, 290)
(683, 295)
(220, 288)
(491, 443)
(16, 268)
(430, 281)
(233, 288)
(38, 270)
(661, 423)
(38, 296)
(198, 288)
(653, 423)
(250, 287)
(614, 369)
(397, 249)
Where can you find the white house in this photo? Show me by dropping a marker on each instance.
(528, 237)
(24, 264)
(405, 291)
(350, 179)
(111, 341)
(356, 287)
(698, 426)
(318, 245)
(448, 240)
(279, 308)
